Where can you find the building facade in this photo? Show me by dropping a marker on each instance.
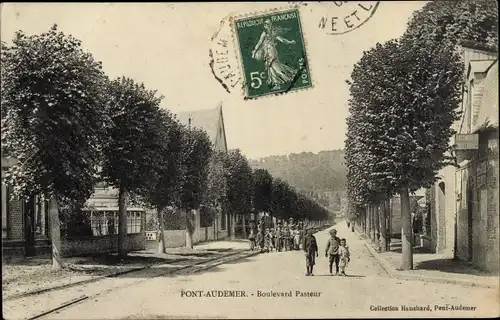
(476, 149)
(463, 202)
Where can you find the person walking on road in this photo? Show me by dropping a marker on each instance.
(332, 251)
(344, 256)
(311, 252)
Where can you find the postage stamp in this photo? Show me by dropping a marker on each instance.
(272, 53)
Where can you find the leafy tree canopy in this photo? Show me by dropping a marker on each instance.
(51, 115)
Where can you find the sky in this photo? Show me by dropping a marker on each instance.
(166, 47)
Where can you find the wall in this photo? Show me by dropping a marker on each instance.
(175, 238)
(480, 175)
(100, 244)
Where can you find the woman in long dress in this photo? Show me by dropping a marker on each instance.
(265, 50)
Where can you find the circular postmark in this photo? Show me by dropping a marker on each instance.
(345, 16)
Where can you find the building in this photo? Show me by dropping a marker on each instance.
(26, 224)
(212, 122)
(476, 180)
(16, 238)
(464, 201)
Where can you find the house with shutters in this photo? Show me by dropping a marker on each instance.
(205, 228)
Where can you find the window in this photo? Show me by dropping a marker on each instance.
(134, 222)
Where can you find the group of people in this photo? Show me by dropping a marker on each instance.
(336, 251)
(281, 238)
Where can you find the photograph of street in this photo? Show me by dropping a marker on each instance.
(232, 160)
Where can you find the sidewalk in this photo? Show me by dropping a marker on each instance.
(24, 276)
(431, 267)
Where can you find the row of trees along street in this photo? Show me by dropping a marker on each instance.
(71, 127)
(404, 99)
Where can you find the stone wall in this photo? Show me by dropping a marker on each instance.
(100, 244)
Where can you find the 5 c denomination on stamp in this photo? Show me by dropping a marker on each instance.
(345, 16)
(272, 53)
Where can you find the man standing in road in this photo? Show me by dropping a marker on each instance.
(311, 251)
(332, 251)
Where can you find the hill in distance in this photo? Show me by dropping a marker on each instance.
(321, 176)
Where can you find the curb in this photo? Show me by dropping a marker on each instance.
(402, 275)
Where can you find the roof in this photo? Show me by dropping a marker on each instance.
(479, 66)
(488, 110)
(206, 119)
(477, 46)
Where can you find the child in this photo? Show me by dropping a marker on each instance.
(285, 238)
(311, 252)
(272, 245)
(277, 239)
(332, 251)
(296, 239)
(267, 237)
(260, 240)
(344, 255)
(251, 237)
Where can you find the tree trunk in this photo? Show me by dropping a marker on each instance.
(388, 213)
(383, 227)
(376, 221)
(122, 222)
(243, 222)
(161, 234)
(406, 232)
(369, 222)
(189, 229)
(233, 225)
(55, 233)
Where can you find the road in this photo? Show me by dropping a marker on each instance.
(367, 289)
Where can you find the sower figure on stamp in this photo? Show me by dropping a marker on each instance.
(311, 252)
(266, 50)
(332, 251)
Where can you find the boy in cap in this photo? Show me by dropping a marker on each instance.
(311, 252)
(332, 251)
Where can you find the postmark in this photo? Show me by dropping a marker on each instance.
(272, 53)
(346, 16)
(223, 62)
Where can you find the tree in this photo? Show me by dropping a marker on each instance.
(51, 121)
(195, 157)
(407, 92)
(450, 22)
(240, 187)
(279, 196)
(162, 190)
(262, 190)
(131, 144)
(215, 194)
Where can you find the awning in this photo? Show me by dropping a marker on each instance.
(488, 111)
